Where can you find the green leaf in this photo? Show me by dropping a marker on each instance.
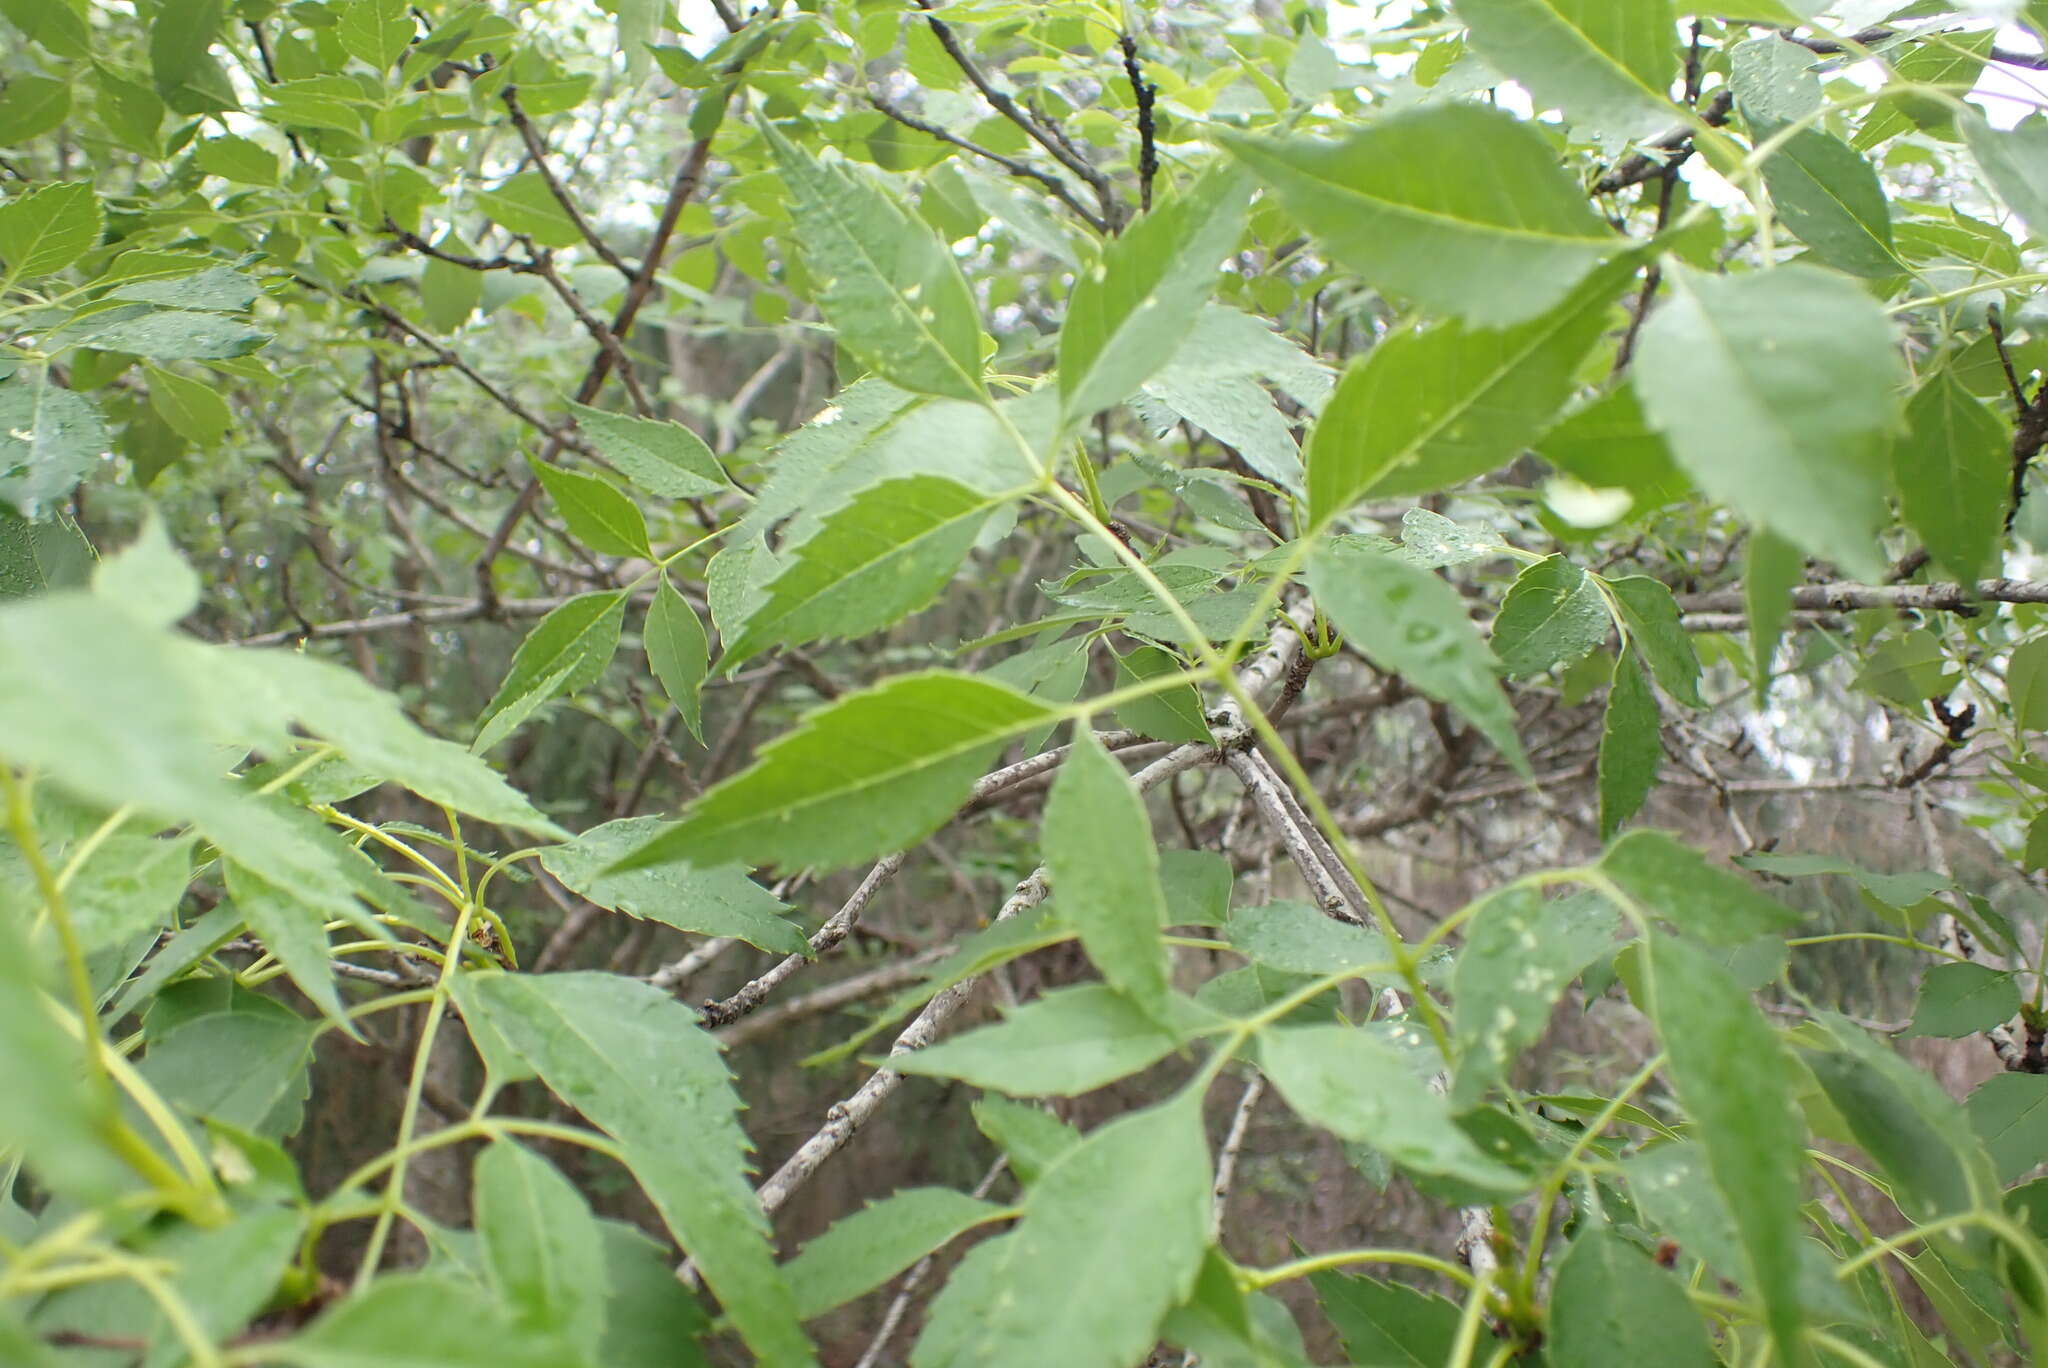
(1631, 744)
(1173, 714)
(566, 651)
(1388, 1323)
(419, 1320)
(1104, 863)
(181, 61)
(1774, 83)
(890, 288)
(219, 289)
(1357, 1087)
(449, 294)
(524, 204)
(1430, 409)
(264, 1092)
(294, 932)
(1521, 952)
(1552, 616)
(718, 901)
(31, 106)
(46, 230)
(678, 652)
(1129, 314)
(1064, 1043)
(194, 409)
(1460, 206)
(1738, 1086)
(1612, 1308)
(1608, 66)
(2009, 1113)
(862, 1251)
(602, 518)
(1907, 1122)
(1776, 390)
(873, 772)
(666, 459)
(1830, 196)
(236, 159)
(1147, 1171)
(65, 1135)
(635, 1062)
(1299, 938)
(1607, 444)
(1771, 567)
(368, 726)
(541, 1246)
(375, 31)
(2014, 160)
(1951, 60)
(1411, 623)
(49, 439)
(36, 557)
(1656, 630)
(871, 564)
(167, 335)
(1958, 999)
(1030, 1136)
(651, 1319)
(1674, 882)
(1954, 470)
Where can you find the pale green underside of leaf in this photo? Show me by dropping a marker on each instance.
(873, 772)
(719, 901)
(1460, 207)
(1609, 66)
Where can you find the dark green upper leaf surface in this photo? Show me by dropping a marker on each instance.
(891, 288)
(1414, 624)
(1738, 1086)
(1521, 952)
(567, 650)
(1776, 390)
(1104, 864)
(1631, 744)
(1460, 206)
(1552, 615)
(1430, 409)
(418, 1320)
(542, 1247)
(50, 438)
(598, 515)
(1675, 883)
(1612, 1308)
(1388, 1324)
(885, 555)
(1959, 999)
(1143, 1176)
(1830, 196)
(45, 230)
(1657, 632)
(1953, 466)
(1067, 1042)
(1356, 1086)
(2009, 1112)
(1129, 314)
(665, 459)
(871, 773)
(636, 1063)
(866, 1249)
